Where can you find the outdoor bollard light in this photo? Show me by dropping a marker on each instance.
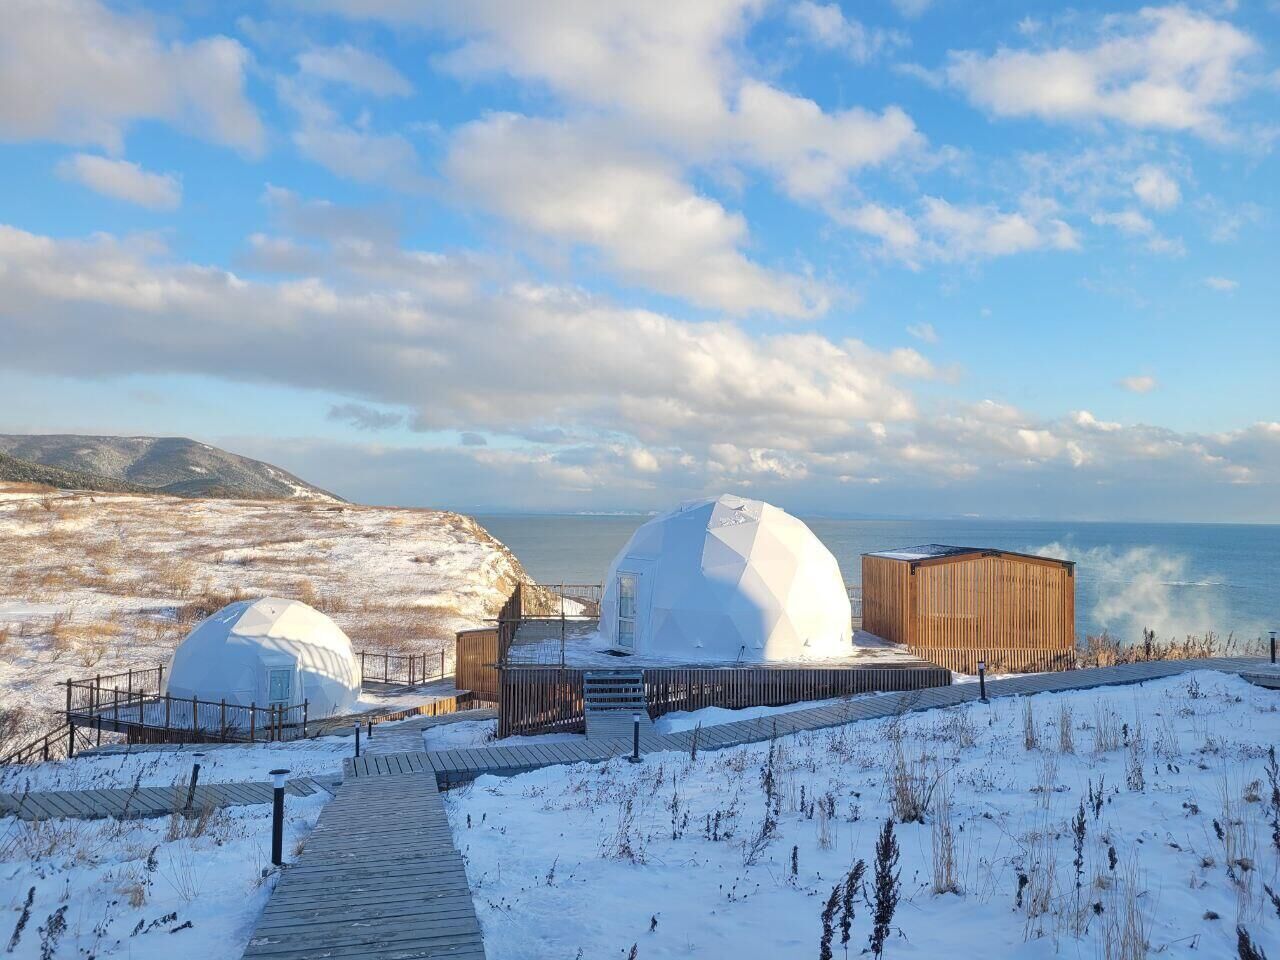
(277, 816)
(1273, 646)
(982, 681)
(635, 738)
(357, 739)
(370, 729)
(191, 788)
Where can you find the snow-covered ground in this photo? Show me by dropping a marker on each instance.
(161, 768)
(483, 733)
(1175, 848)
(159, 888)
(99, 583)
(688, 719)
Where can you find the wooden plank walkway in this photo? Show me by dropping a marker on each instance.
(379, 877)
(128, 803)
(458, 766)
(405, 736)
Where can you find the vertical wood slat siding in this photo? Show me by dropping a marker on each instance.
(1018, 614)
(885, 598)
(549, 700)
(475, 659)
(539, 700)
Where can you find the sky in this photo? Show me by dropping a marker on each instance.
(908, 258)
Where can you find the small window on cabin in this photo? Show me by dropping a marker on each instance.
(626, 609)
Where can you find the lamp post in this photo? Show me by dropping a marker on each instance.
(1273, 646)
(982, 681)
(357, 738)
(191, 787)
(277, 816)
(635, 738)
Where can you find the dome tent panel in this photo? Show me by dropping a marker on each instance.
(728, 579)
(267, 652)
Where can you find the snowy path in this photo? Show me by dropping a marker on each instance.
(142, 802)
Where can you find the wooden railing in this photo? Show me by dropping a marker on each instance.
(404, 669)
(475, 659)
(54, 745)
(132, 701)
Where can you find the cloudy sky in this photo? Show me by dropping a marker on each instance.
(910, 257)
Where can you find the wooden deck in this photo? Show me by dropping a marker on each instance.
(126, 803)
(378, 878)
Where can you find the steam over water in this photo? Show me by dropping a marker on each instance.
(1177, 579)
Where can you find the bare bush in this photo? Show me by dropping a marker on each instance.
(1030, 733)
(1066, 739)
(945, 872)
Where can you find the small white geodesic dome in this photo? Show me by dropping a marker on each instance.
(267, 652)
(726, 579)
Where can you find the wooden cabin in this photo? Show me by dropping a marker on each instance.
(956, 605)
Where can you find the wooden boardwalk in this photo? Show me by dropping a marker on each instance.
(379, 878)
(125, 803)
(457, 766)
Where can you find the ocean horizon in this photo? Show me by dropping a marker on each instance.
(1178, 579)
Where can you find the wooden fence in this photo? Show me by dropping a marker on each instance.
(539, 700)
(549, 699)
(475, 663)
(679, 689)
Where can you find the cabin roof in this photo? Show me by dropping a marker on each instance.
(943, 551)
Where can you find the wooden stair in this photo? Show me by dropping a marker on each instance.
(611, 699)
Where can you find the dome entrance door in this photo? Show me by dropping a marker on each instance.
(280, 686)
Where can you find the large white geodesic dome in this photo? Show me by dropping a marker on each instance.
(726, 579)
(267, 652)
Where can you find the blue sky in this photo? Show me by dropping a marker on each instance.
(912, 257)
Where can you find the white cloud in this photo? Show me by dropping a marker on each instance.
(1156, 189)
(1129, 222)
(564, 181)
(596, 400)
(549, 355)
(923, 332)
(346, 149)
(947, 232)
(678, 81)
(911, 9)
(123, 180)
(1139, 383)
(356, 68)
(1132, 223)
(1221, 284)
(826, 26)
(1165, 68)
(77, 72)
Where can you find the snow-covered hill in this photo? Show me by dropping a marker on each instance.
(97, 583)
(173, 465)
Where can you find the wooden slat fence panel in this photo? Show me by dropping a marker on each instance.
(539, 700)
(476, 658)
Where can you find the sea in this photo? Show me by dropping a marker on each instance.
(1178, 579)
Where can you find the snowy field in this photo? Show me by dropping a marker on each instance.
(99, 583)
(159, 888)
(1121, 823)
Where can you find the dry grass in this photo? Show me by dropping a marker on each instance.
(1108, 651)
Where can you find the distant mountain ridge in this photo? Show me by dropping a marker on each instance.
(172, 465)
